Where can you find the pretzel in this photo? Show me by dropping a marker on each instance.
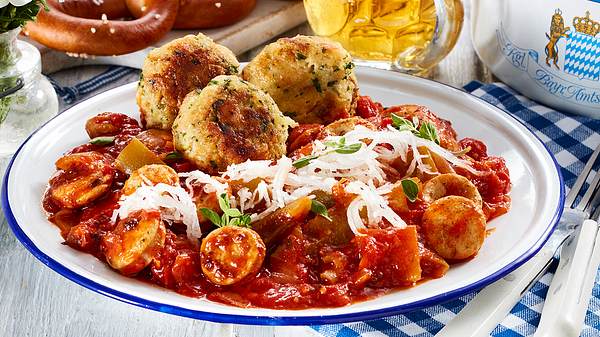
(102, 36)
(194, 14)
(92, 9)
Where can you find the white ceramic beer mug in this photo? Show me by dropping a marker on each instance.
(549, 51)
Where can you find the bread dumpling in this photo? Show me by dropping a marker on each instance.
(170, 72)
(310, 78)
(229, 122)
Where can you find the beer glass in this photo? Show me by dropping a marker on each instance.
(404, 35)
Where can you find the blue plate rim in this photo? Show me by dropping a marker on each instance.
(284, 320)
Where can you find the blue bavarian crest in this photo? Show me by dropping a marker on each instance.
(582, 53)
(581, 56)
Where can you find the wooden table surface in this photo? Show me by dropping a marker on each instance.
(36, 301)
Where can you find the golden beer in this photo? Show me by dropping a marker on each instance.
(408, 35)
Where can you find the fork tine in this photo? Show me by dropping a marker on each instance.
(596, 203)
(569, 202)
(585, 204)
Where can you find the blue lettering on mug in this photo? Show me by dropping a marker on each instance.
(527, 61)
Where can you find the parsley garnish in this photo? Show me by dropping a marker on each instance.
(233, 69)
(410, 188)
(426, 131)
(174, 155)
(108, 140)
(317, 85)
(318, 208)
(338, 147)
(231, 216)
(304, 161)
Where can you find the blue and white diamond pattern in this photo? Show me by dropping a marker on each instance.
(582, 57)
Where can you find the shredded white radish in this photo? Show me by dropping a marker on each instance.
(210, 183)
(371, 161)
(250, 170)
(173, 202)
(361, 165)
(280, 183)
(244, 195)
(371, 198)
(284, 166)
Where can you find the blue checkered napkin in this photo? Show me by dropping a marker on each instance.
(572, 140)
(72, 94)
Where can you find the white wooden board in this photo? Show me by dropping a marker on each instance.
(269, 19)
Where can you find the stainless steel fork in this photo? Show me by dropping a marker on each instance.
(482, 314)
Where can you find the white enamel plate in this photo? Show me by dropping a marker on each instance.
(537, 201)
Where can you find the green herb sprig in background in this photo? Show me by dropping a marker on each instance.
(12, 17)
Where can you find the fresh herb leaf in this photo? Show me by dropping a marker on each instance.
(105, 140)
(331, 143)
(234, 222)
(340, 143)
(410, 188)
(318, 208)
(224, 202)
(211, 215)
(428, 131)
(224, 220)
(245, 220)
(233, 212)
(230, 217)
(402, 123)
(338, 147)
(352, 148)
(174, 155)
(304, 161)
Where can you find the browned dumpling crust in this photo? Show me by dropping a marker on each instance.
(228, 122)
(310, 78)
(173, 70)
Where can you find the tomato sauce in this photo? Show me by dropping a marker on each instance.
(311, 266)
(492, 180)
